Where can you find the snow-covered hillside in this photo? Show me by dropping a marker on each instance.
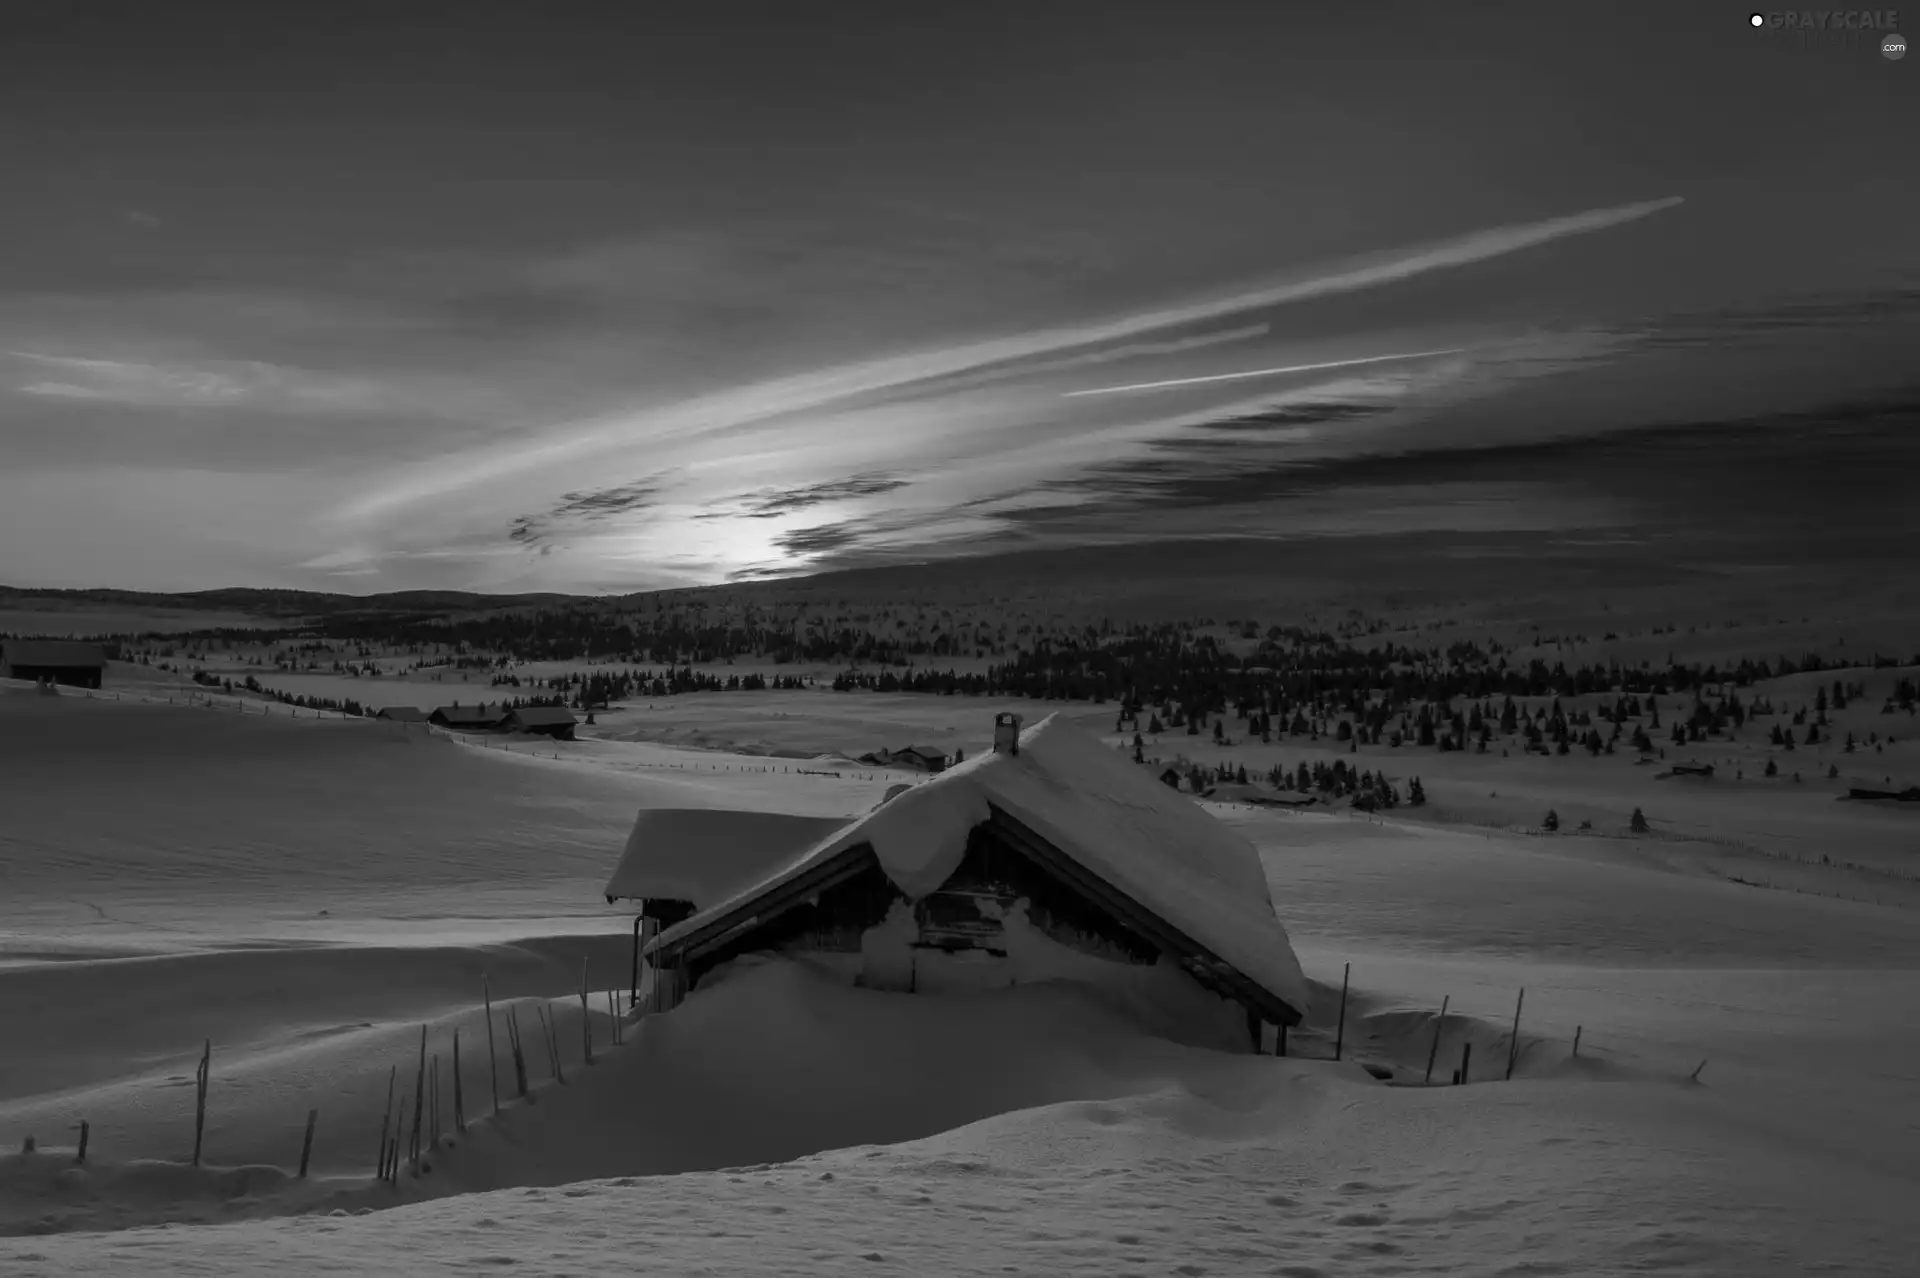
(167, 869)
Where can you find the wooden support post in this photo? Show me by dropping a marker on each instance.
(433, 1105)
(419, 1100)
(306, 1142)
(200, 1098)
(633, 999)
(1433, 1053)
(586, 1015)
(1340, 1034)
(1280, 1043)
(1253, 1029)
(1576, 1040)
(1466, 1061)
(85, 1131)
(613, 1018)
(459, 1095)
(1513, 1043)
(493, 1056)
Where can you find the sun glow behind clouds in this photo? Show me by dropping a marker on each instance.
(946, 418)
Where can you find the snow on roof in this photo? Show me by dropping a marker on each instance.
(471, 714)
(705, 855)
(1109, 815)
(542, 715)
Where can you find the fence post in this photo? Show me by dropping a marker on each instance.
(459, 1096)
(1466, 1059)
(1340, 1034)
(1433, 1053)
(386, 1121)
(306, 1142)
(1513, 1046)
(200, 1099)
(419, 1099)
(493, 1055)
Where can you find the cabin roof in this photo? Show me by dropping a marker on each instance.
(471, 714)
(541, 716)
(705, 855)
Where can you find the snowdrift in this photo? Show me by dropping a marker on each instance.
(778, 1060)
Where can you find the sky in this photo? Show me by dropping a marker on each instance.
(604, 298)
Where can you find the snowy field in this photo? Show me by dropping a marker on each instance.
(307, 892)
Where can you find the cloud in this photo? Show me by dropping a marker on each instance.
(716, 413)
(765, 505)
(216, 384)
(142, 219)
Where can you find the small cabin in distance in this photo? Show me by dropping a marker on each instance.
(480, 718)
(546, 721)
(61, 661)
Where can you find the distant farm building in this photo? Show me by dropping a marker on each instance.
(402, 714)
(481, 718)
(910, 757)
(1909, 795)
(78, 665)
(547, 721)
(1052, 856)
(1687, 770)
(1170, 777)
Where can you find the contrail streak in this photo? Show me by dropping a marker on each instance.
(1259, 372)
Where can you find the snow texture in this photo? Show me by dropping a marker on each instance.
(706, 855)
(1107, 814)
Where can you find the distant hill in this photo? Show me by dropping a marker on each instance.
(291, 603)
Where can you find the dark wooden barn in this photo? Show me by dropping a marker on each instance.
(547, 721)
(77, 665)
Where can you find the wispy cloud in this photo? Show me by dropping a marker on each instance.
(708, 415)
(216, 384)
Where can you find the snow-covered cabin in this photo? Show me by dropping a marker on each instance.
(402, 714)
(1053, 855)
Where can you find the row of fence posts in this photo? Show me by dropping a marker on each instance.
(425, 1135)
(202, 1079)
(1463, 1073)
(424, 1132)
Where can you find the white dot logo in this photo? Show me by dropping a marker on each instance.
(1756, 20)
(1893, 48)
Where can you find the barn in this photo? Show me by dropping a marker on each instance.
(402, 714)
(1050, 857)
(547, 721)
(480, 718)
(78, 665)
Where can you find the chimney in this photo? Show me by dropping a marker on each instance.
(1006, 733)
